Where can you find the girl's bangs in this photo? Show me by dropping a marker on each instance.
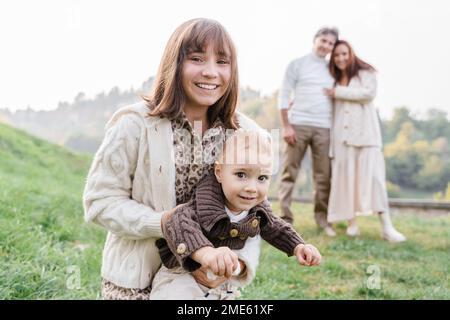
(201, 37)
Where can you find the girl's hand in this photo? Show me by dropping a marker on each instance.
(329, 92)
(200, 275)
(307, 255)
(222, 261)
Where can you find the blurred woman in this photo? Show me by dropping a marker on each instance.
(358, 183)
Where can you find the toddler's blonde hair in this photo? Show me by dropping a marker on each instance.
(246, 146)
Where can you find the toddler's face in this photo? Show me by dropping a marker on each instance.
(244, 185)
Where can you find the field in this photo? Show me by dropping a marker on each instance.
(48, 252)
(363, 268)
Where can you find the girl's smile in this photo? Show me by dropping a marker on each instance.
(207, 86)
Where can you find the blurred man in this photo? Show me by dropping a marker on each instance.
(306, 121)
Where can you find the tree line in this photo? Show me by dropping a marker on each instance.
(416, 150)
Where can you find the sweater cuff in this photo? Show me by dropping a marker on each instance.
(184, 251)
(152, 225)
(340, 92)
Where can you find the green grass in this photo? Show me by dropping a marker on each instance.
(417, 269)
(44, 241)
(42, 234)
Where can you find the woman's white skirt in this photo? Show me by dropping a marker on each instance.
(358, 182)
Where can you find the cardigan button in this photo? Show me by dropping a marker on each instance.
(234, 233)
(242, 237)
(181, 248)
(255, 223)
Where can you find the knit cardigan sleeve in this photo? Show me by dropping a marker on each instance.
(279, 233)
(107, 196)
(184, 236)
(364, 93)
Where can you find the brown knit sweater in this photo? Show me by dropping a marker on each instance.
(203, 221)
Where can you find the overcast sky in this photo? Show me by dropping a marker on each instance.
(51, 50)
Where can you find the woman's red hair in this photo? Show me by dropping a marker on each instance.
(354, 66)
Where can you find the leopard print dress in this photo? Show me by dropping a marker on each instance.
(192, 163)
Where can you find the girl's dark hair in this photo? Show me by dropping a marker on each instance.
(167, 97)
(354, 66)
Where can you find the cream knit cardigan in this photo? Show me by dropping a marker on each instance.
(130, 184)
(361, 125)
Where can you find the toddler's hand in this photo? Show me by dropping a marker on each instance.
(222, 261)
(307, 255)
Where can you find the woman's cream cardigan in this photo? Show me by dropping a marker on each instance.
(130, 184)
(361, 127)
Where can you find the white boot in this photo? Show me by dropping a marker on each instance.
(389, 232)
(329, 231)
(352, 229)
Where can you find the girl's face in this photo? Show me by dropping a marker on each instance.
(205, 78)
(341, 57)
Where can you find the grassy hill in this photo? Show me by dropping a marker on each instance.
(43, 238)
(45, 246)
